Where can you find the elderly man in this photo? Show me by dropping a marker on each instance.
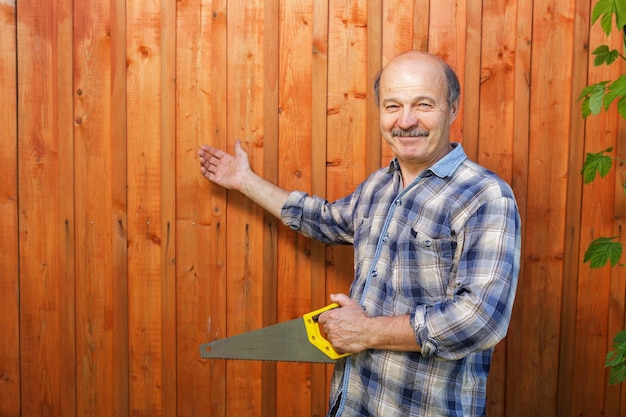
(436, 252)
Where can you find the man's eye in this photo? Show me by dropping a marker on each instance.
(392, 107)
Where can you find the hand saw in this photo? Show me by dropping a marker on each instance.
(298, 340)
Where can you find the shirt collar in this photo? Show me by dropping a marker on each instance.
(442, 168)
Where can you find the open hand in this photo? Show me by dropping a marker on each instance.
(223, 168)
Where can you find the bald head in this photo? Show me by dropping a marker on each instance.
(420, 61)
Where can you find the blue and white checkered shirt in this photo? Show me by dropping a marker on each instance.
(444, 250)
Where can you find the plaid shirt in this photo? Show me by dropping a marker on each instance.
(444, 250)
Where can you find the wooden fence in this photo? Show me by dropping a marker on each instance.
(118, 259)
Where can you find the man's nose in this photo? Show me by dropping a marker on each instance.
(408, 118)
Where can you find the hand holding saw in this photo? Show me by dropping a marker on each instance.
(298, 340)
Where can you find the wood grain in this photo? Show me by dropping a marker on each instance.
(46, 217)
(9, 267)
(200, 207)
(149, 227)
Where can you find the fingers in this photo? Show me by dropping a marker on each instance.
(342, 299)
(206, 152)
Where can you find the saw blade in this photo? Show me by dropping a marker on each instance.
(283, 342)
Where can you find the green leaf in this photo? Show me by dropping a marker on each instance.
(604, 55)
(596, 100)
(584, 108)
(621, 107)
(602, 8)
(617, 373)
(596, 163)
(606, 9)
(603, 250)
(615, 90)
(620, 13)
(616, 359)
(586, 91)
(594, 94)
(620, 338)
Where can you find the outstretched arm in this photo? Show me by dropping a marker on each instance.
(234, 173)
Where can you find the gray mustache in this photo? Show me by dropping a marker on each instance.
(409, 133)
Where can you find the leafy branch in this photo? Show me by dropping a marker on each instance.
(616, 359)
(601, 95)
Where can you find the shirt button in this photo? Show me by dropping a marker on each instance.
(386, 239)
(374, 273)
(428, 243)
(398, 202)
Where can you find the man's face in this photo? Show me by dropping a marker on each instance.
(414, 114)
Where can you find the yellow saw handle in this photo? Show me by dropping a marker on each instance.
(315, 336)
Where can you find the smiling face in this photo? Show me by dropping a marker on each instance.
(415, 116)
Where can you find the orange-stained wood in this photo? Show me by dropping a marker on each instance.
(149, 224)
(119, 259)
(496, 109)
(200, 207)
(293, 388)
(101, 375)
(447, 38)
(515, 367)
(543, 279)
(245, 224)
(567, 355)
(9, 268)
(46, 215)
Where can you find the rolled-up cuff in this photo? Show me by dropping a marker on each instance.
(428, 346)
(291, 212)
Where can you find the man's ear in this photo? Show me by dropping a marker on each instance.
(454, 111)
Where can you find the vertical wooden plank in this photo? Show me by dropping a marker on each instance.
(293, 385)
(46, 221)
(245, 230)
(319, 82)
(567, 361)
(146, 219)
(347, 97)
(9, 284)
(271, 307)
(119, 218)
(201, 206)
(421, 22)
(167, 39)
(470, 94)
(447, 40)
(517, 371)
(397, 16)
(496, 108)
(497, 92)
(599, 201)
(101, 366)
(374, 142)
(548, 166)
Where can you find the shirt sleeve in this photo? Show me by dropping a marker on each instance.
(330, 223)
(478, 314)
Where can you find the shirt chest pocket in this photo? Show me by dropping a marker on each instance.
(423, 269)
